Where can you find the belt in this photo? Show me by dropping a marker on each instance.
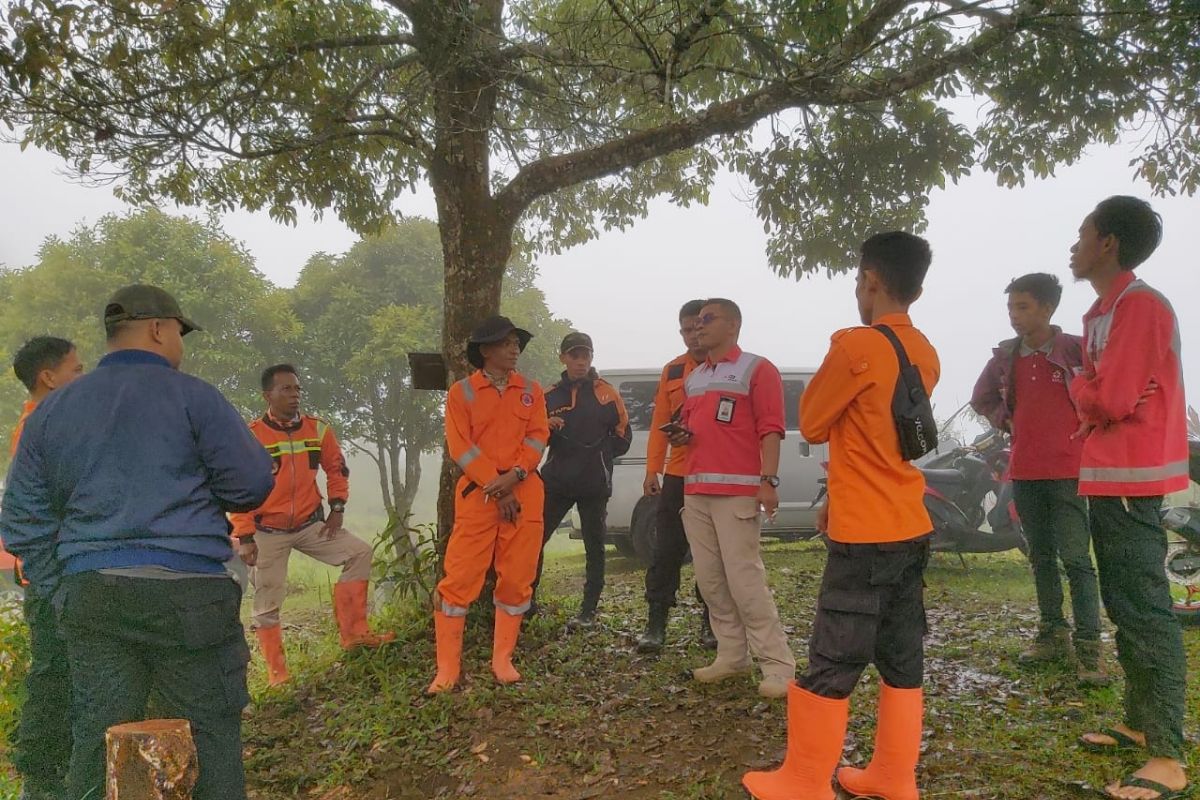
(317, 516)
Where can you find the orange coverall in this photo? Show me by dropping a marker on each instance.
(489, 432)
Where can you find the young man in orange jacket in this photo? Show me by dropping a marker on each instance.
(871, 606)
(496, 431)
(1134, 420)
(294, 518)
(42, 744)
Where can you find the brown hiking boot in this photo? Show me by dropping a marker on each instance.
(1052, 645)
(1090, 666)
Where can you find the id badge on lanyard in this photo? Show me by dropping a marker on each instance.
(725, 408)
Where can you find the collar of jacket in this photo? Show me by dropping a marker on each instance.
(1120, 284)
(1060, 353)
(894, 319)
(480, 380)
(591, 377)
(734, 354)
(133, 356)
(278, 425)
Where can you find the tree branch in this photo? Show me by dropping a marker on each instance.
(814, 87)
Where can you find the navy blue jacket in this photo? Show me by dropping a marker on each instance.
(133, 464)
(595, 431)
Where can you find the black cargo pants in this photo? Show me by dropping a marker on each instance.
(670, 546)
(181, 639)
(593, 519)
(871, 609)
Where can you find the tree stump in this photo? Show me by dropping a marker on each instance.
(151, 760)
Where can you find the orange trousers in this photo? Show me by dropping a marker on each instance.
(481, 539)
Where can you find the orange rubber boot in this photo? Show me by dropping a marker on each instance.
(350, 610)
(892, 773)
(508, 628)
(270, 640)
(816, 730)
(449, 631)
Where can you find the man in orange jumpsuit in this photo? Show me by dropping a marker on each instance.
(42, 744)
(496, 431)
(294, 518)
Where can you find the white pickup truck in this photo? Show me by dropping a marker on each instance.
(631, 517)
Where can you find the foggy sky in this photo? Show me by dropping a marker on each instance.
(625, 288)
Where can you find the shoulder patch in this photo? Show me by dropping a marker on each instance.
(674, 372)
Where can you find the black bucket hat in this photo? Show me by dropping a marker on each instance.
(492, 330)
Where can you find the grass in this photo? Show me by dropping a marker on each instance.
(595, 719)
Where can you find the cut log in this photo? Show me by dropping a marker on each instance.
(151, 760)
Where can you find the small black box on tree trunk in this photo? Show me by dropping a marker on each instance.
(428, 371)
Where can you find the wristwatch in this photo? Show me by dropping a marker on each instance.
(521, 473)
(773, 480)
(337, 506)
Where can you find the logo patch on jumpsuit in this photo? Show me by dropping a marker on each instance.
(527, 399)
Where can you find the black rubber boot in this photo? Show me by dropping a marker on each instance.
(708, 639)
(586, 617)
(655, 635)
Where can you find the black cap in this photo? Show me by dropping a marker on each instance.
(574, 340)
(490, 331)
(140, 301)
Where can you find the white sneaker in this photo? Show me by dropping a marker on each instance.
(718, 671)
(774, 687)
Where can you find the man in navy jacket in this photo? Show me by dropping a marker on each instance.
(116, 504)
(589, 427)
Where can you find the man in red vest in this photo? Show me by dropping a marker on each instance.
(1134, 424)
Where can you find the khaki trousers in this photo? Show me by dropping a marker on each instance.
(724, 536)
(343, 550)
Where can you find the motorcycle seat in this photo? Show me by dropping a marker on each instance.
(943, 476)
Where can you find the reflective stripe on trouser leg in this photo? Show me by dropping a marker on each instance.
(518, 547)
(469, 554)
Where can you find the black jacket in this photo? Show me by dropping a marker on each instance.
(596, 431)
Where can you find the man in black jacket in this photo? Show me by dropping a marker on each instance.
(588, 429)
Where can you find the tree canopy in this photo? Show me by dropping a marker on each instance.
(245, 317)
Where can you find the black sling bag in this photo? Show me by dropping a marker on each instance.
(911, 409)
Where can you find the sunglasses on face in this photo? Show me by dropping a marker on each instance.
(707, 319)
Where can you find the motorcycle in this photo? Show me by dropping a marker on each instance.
(957, 486)
(1183, 548)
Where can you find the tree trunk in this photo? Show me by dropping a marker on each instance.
(476, 232)
(472, 293)
(151, 760)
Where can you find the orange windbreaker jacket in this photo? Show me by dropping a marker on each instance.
(298, 449)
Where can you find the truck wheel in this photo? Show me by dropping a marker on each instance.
(643, 528)
(624, 544)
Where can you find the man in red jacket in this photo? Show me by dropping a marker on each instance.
(1130, 401)
(1025, 390)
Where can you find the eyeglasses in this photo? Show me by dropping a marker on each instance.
(707, 319)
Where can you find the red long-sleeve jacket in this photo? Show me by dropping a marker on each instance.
(1137, 449)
